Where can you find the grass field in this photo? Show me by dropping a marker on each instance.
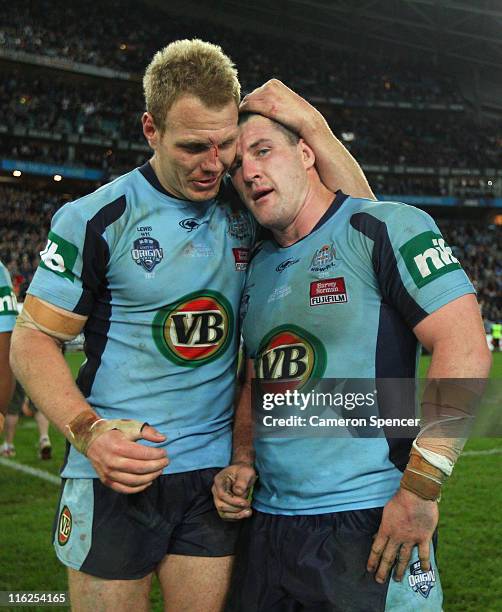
(470, 544)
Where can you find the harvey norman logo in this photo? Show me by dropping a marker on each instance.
(427, 256)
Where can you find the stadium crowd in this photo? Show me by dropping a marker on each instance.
(25, 219)
(94, 34)
(58, 106)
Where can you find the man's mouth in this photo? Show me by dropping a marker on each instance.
(260, 194)
(207, 183)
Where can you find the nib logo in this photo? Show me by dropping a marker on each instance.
(427, 257)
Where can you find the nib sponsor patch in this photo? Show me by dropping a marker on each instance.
(64, 526)
(241, 257)
(421, 582)
(427, 257)
(328, 291)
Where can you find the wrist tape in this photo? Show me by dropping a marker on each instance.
(422, 478)
(87, 426)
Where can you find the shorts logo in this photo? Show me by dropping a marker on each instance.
(286, 264)
(324, 259)
(421, 582)
(328, 291)
(194, 330)
(241, 257)
(147, 253)
(291, 355)
(191, 224)
(59, 256)
(64, 526)
(428, 257)
(8, 302)
(238, 225)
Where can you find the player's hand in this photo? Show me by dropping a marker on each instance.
(126, 466)
(231, 491)
(277, 101)
(407, 521)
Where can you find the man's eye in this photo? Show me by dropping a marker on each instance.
(262, 152)
(195, 148)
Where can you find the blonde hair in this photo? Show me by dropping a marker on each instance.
(190, 67)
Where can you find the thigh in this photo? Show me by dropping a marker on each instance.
(92, 594)
(194, 584)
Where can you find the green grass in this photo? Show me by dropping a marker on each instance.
(470, 537)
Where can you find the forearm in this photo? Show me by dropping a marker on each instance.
(337, 168)
(243, 451)
(41, 368)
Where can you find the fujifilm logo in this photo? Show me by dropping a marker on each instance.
(439, 255)
(427, 257)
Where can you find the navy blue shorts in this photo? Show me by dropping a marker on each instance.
(318, 564)
(124, 537)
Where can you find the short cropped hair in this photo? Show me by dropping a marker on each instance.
(292, 137)
(191, 67)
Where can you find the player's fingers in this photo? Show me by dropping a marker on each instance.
(387, 560)
(377, 548)
(221, 496)
(424, 556)
(152, 435)
(133, 466)
(403, 560)
(133, 450)
(244, 480)
(128, 490)
(235, 516)
(132, 480)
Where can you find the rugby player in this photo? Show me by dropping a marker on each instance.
(332, 516)
(151, 268)
(8, 314)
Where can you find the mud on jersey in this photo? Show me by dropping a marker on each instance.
(342, 303)
(8, 302)
(160, 280)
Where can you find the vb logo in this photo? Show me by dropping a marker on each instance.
(291, 356)
(195, 330)
(59, 256)
(427, 257)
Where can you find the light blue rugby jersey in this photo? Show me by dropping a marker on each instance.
(8, 302)
(341, 303)
(160, 280)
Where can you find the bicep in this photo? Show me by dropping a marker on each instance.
(458, 323)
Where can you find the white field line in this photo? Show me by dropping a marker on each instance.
(26, 469)
(491, 451)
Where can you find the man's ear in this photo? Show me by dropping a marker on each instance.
(308, 155)
(150, 131)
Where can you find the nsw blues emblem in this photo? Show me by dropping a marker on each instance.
(323, 259)
(421, 582)
(146, 252)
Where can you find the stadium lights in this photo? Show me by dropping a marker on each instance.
(123, 47)
(58, 177)
(490, 183)
(17, 173)
(348, 136)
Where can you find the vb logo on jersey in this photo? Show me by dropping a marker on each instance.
(195, 330)
(59, 256)
(290, 355)
(428, 257)
(64, 526)
(421, 582)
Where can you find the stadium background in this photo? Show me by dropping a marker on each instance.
(412, 87)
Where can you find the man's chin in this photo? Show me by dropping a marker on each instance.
(200, 195)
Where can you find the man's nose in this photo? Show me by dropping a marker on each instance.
(212, 161)
(250, 170)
